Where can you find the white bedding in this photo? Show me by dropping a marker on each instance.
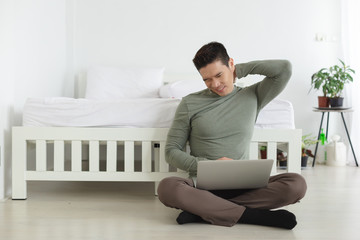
(278, 113)
(140, 112)
(70, 112)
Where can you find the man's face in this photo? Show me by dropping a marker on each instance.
(218, 77)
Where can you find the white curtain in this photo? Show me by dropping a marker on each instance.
(350, 41)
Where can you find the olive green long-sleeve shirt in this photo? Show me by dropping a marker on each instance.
(222, 126)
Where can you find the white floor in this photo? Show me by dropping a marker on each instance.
(330, 210)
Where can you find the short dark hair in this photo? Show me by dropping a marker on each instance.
(210, 53)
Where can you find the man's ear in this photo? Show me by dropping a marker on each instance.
(232, 68)
(231, 64)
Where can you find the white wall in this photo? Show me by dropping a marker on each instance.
(7, 87)
(33, 63)
(48, 41)
(168, 33)
(40, 49)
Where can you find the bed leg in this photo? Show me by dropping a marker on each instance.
(19, 190)
(18, 167)
(156, 187)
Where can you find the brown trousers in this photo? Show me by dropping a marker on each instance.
(225, 207)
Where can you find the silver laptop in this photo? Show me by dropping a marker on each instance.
(233, 174)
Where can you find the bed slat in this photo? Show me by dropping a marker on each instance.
(76, 156)
(146, 156)
(253, 151)
(129, 156)
(272, 154)
(164, 166)
(111, 148)
(40, 155)
(94, 156)
(59, 155)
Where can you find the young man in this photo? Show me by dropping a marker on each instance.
(218, 122)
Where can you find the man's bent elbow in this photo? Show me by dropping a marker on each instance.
(286, 69)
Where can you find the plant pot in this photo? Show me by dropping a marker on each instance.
(323, 102)
(304, 160)
(336, 101)
(263, 154)
(282, 163)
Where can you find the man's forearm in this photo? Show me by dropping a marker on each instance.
(268, 68)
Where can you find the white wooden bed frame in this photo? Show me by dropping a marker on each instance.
(152, 142)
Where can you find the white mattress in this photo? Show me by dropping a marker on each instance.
(70, 112)
(141, 112)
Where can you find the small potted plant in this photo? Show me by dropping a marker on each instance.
(307, 141)
(339, 76)
(332, 81)
(319, 80)
(263, 152)
(281, 158)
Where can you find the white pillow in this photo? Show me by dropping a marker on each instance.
(180, 89)
(110, 83)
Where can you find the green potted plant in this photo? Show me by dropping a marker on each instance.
(331, 81)
(319, 80)
(263, 152)
(307, 141)
(339, 76)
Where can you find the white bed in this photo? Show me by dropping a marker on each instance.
(104, 137)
